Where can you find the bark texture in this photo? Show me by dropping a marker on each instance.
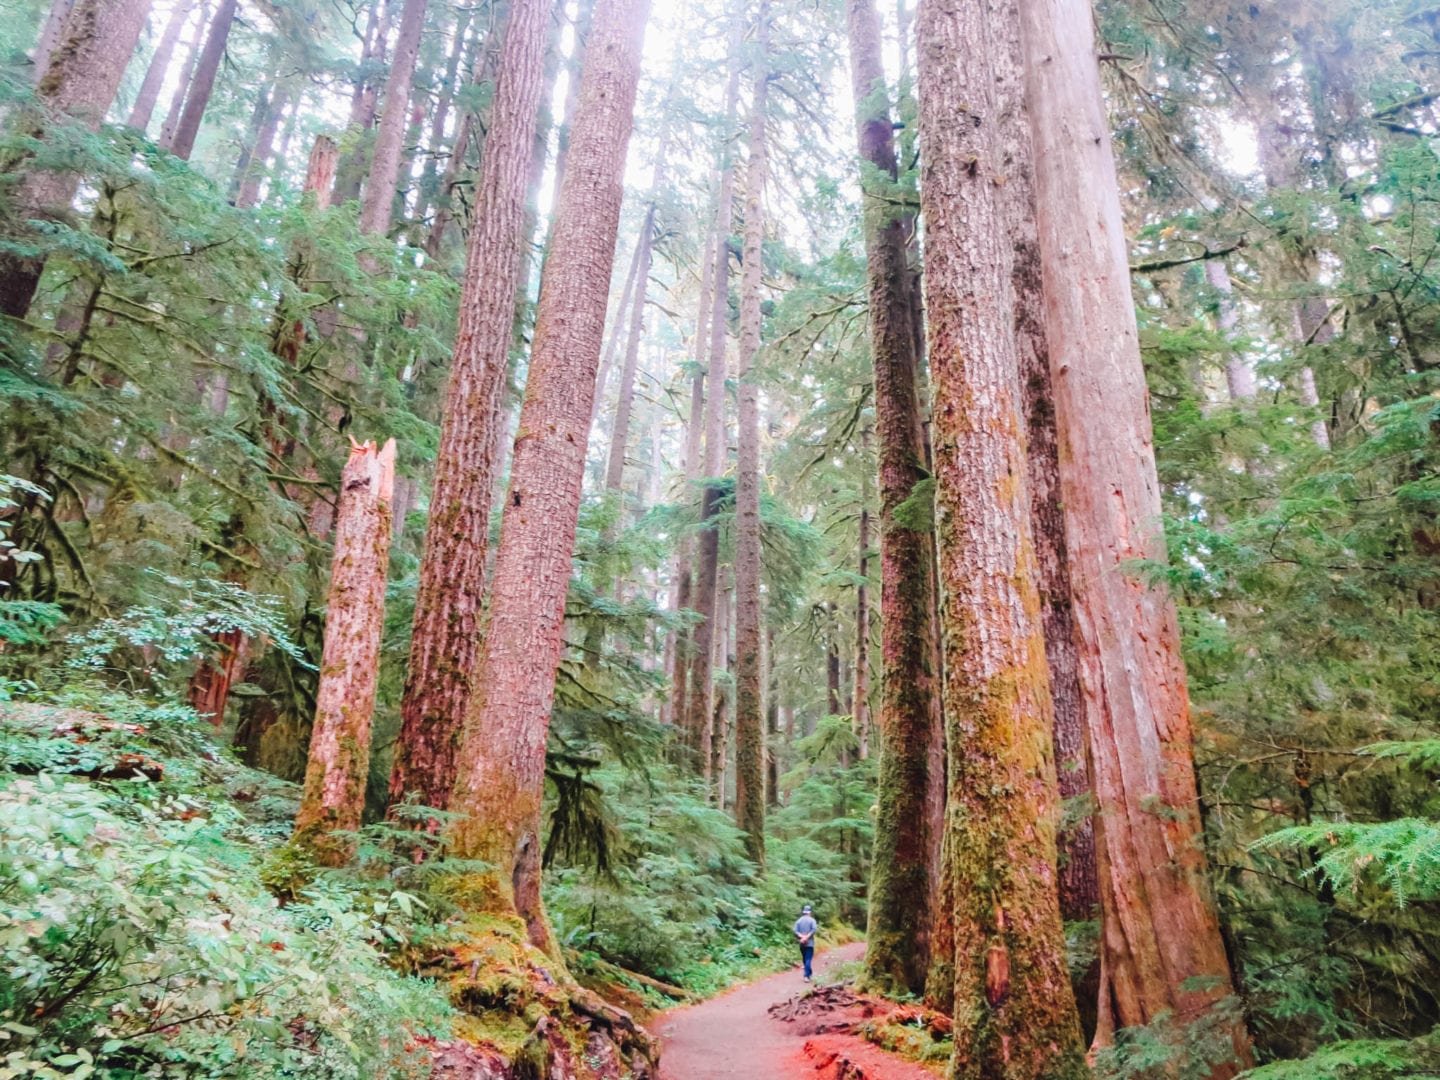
(501, 778)
(379, 199)
(78, 85)
(911, 793)
(334, 792)
(50, 31)
(452, 572)
(749, 703)
(149, 92)
(1162, 951)
(207, 68)
(1079, 887)
(1014, 1010)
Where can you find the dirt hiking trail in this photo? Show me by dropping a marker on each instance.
(734, 1036)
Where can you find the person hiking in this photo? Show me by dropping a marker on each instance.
(805, 928)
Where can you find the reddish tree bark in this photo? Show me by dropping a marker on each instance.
(78, 85)
(452, 571)
(1162, 952)
(749, 705)
(149, 92)
(339, 762)
(379, 199)
(197, 97)
(911, 777)
(1014, 1011)
(501, 779)
(1079, 885)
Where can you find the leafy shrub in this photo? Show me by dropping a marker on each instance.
(136, 940)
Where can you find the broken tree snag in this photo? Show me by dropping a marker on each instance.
(339, 762)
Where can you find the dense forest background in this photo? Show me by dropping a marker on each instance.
(255, 257)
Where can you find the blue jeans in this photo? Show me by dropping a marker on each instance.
(807, 954)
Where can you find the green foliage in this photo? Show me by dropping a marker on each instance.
(136, 938)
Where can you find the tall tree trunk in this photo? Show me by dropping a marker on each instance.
(171, 123)
(1079, 885)
(860, 710)
(339, 762)
(772, 722)
(1162, 950)
(619, 323)
(51, 31)
(625, 399)
(749, 704)
(707, 569)
(685, 550)
(501, 779)
(149, 92)
(911, 791)
(78, 86)
(384, 175)
(253, 173)
(1014, 1012)
(1239, 377)
(197, 98)
(463, 48)
(350, 173)
(452, 571)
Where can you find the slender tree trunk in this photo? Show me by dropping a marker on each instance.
(462, 53)
(149, 92)
(350, 173)
(452, 572)
(860, 711)
(772, 722)
(197, 99)
(1014, 1012)
(380, 187)
(78, 86)
(619, 323)
(1239, 377)
(1079, 885)
(697, 709)
(171, 123)
(253, 173)
(334, 792)
(625, 400)
(749, 704)
(1162, 950)
(501, 778)
(685, 551)
(911, 776)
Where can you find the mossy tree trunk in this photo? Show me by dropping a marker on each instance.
(446, 628)
(1014, 1011)
(1162, 953)
(339, 762)
(1079, 884)
(911, 778)
(749, 704)
(500, 784)
(78, 85)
